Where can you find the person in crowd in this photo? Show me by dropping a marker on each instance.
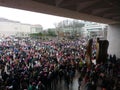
(28, 64)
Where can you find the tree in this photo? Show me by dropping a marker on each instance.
(72, 26)
(36, 35)
(51, 32)
(77, 27)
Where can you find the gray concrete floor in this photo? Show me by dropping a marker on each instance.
(73, 86)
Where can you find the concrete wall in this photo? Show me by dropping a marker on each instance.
(114, 39)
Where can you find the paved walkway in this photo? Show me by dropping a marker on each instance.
(73, 86)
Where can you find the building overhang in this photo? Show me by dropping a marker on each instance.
(59, 8)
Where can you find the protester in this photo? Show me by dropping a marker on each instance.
(28, 64)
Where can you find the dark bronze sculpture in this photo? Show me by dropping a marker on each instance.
(102, 47)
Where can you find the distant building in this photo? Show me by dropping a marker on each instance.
(95, 30)
(70, 31)
(36, 28)
(9, 27)
(90, 29)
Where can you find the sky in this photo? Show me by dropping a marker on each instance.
(28, 17)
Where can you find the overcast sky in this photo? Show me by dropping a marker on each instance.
(47, 21)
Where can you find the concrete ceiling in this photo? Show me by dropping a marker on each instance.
(102, 11)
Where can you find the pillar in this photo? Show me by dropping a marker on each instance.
(114, 39)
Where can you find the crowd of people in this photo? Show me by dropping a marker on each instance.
(103, 76)
(29, 64)
(33, 65)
